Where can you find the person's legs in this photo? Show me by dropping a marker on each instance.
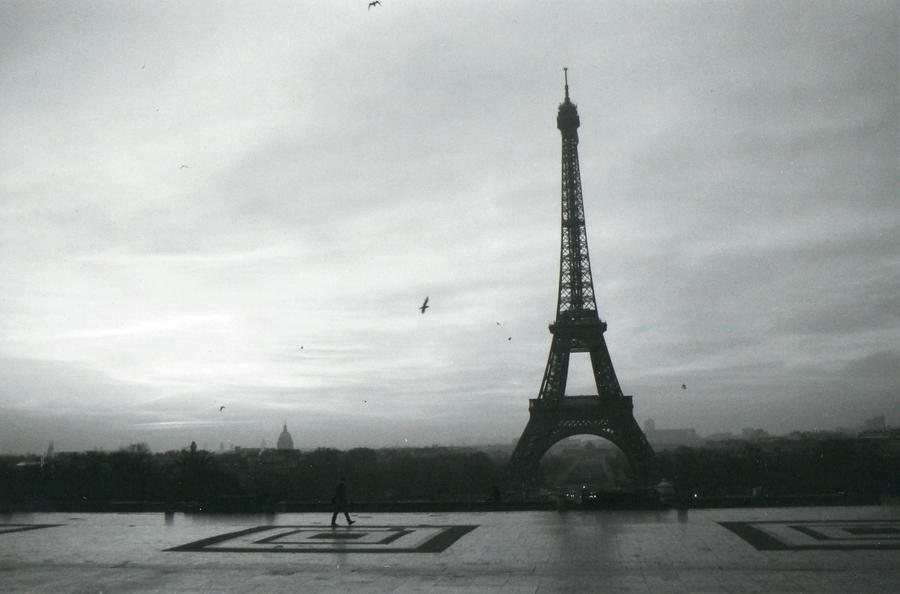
(334, 518)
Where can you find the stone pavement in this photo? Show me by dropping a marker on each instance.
(847, 549)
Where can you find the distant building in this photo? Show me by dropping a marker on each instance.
(724, 436)
(669, 436)
(285, 441)
(753, 433)
(875, 424)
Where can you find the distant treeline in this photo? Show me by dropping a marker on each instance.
(134, 474)
(783, 467)
(267, 475)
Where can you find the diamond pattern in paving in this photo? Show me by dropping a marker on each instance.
(316, 539)
(819, 535)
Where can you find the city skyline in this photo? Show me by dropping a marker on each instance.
(243, 205)
(659, 437)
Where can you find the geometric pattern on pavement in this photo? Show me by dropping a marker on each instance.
(6, 528)
(818, 535)
(319, 539)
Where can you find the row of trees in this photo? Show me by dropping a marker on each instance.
(274, 475)
(787, 467)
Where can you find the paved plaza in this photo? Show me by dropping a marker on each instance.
(846, 549)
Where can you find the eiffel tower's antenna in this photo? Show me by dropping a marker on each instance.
(566, 75)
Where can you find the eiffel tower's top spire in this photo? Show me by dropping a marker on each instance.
(567, 120)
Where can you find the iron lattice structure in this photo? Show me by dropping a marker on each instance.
(553, 416)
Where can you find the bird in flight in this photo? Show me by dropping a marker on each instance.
(424, 305)
(373, 3)
(184, 167)
(221, 408)
(683, 387)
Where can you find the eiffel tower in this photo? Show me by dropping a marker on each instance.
(553, 416)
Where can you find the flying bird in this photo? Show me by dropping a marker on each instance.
(683, 387)
(184, 167)
(373, 3)
(221, 408)
(424, 305)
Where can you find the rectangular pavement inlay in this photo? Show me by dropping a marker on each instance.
(837, 535)
(315, 539)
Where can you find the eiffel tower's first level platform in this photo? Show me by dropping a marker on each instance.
(579, 406)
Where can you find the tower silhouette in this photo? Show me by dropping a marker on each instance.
(553, 416)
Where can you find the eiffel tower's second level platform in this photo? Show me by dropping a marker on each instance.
(579, 333)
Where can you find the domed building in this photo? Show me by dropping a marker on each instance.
(285, 441)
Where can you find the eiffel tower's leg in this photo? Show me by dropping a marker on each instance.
(604, 374)
(534, 440)
(631, 440)
(530, 448)
(553, 386)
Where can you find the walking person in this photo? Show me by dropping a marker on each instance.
(340, 503)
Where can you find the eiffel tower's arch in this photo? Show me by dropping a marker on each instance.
(586, 460)
(583, 415)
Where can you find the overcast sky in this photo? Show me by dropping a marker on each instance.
(243, 204)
